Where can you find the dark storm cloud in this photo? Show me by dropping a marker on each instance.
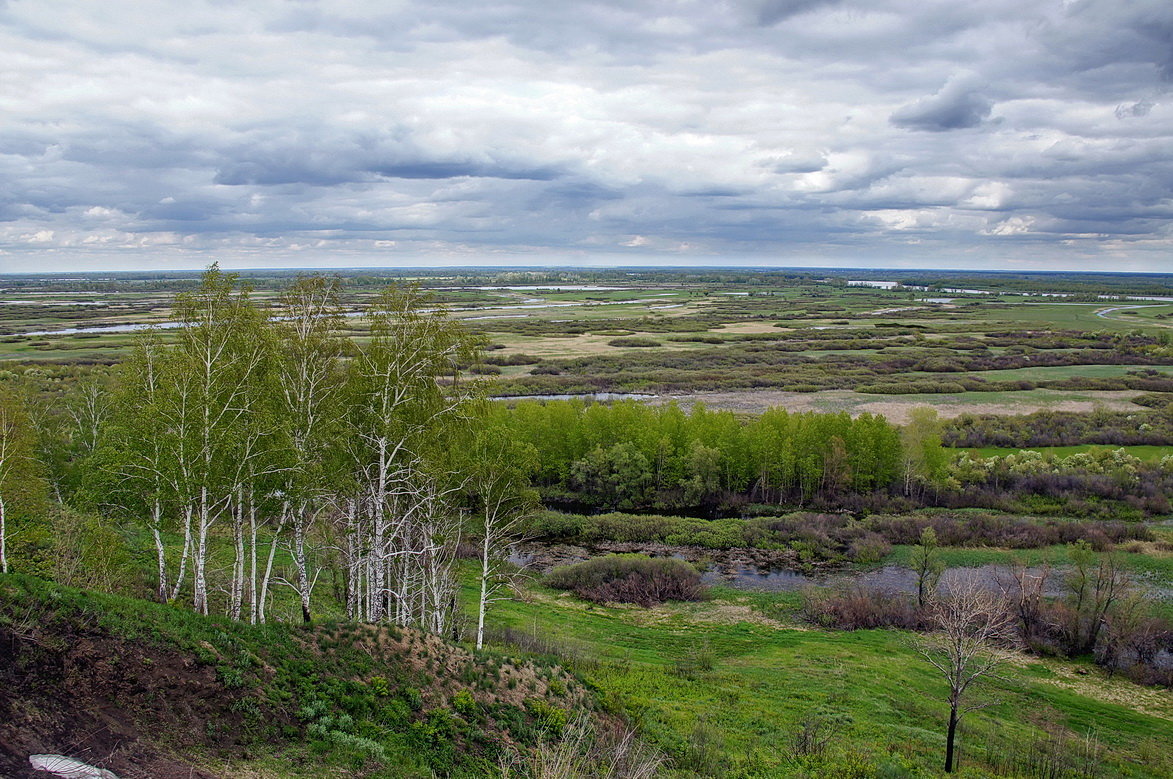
(774, 11)
(833, 129)
(955, 107)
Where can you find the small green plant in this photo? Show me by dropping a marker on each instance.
(413, 698)
(379, 686)
(464, 704)
(231, 678)
(549, 717)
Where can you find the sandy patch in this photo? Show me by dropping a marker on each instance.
(748, 328)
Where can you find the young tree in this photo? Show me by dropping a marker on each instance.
(1094, 584)
(972, 626)
(141, 456)
(21, 487)
(500, 471)
(222, 349)
(926, 563)
(924, 458)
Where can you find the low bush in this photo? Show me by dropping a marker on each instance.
(629, 579)
(854, 606)
(512, 359)
(636, 341)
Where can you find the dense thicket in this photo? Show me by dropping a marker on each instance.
(629, 579)
(635, 457)
(628, 455)
(1060, 428)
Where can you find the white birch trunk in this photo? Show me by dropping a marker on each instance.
(3, 538)
(160, 555)
(252, 556)
(236, 599)
(263, 599)
(200, 594)
(185, 554)
(484, 590)
(299, 557)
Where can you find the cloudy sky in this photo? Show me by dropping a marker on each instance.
(908, 133)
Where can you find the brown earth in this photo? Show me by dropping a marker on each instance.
(132, 709)
(150, 711)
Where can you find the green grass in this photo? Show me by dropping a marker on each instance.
(766, 677)
(1052, 372)
(1065, 316)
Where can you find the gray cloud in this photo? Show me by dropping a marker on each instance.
(356, 131)
(956, 107)
(774, 11)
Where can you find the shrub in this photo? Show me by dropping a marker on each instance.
(513, 359)
(464, 704)
(855, 607)
(629, 579)
(636, 341)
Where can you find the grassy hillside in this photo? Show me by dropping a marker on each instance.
(151, 690)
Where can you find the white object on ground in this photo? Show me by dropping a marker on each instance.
(60, 765)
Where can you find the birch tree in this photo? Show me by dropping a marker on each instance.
(500, 469)
(141, 450)
(398, 413)
(309, 383)
(19, 482)
(223, 351)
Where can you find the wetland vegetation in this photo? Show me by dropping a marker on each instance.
(368, 565)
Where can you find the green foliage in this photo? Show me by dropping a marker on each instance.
(464, 704)
(550, 718)
(627, 455)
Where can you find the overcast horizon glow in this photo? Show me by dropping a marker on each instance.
(1033, 134)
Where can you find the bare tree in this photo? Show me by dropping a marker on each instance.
(972, 629)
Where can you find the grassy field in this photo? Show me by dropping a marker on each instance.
(1051, 373)
(724, 685)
